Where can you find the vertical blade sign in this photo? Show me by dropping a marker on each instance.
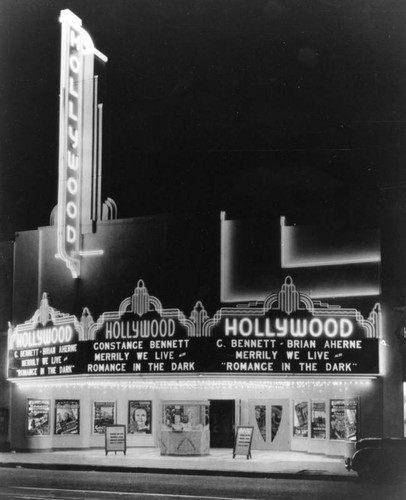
(75, 138)
(70, 147)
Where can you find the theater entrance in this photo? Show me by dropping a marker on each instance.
(222, 420)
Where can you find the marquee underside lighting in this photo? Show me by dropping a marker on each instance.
(197, 383)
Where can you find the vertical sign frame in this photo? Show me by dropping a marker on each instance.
(75, 139)
(70, 138)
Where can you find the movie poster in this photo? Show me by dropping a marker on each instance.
(139, 417)
(38, 416)
(103, 414)
(318, 420)
(343, 419)
(67, 416)
(301, 419)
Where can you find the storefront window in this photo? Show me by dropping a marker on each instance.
(67, 419)
(103, 414)
(185, 417)
(318, 420)
(343, 419)
(301, 419)
(38, 413)
(139, 417)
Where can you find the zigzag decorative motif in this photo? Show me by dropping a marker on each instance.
(44, 315)
(288, 301)
(140, 303)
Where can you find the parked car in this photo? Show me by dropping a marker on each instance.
(378, 459)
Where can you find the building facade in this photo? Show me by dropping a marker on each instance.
(183, 328)
(305, 373)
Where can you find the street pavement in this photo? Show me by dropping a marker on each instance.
(219, 462)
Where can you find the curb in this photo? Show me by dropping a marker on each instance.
(303, 474)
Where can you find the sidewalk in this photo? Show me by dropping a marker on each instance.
(219, 462)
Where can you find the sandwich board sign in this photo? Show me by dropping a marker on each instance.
(243, 440)
(115, 438)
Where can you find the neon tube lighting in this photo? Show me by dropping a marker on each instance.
(289, 258)
(91, 253)
(294, 262)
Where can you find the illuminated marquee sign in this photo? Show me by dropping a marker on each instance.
(282, 327)
(288, 334)
(46, 345)
(75, 137)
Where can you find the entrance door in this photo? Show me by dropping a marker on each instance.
(271, 422)
(222, 418)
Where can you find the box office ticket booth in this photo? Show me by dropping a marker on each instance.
(304, 374)
(185, 428)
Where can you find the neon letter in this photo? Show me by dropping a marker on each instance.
(231, 329)
(73, 136)
(72, 161)
(346, 327)
(70, 234)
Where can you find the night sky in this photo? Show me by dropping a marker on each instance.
(284, 106)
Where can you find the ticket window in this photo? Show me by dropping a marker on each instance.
(185, 428)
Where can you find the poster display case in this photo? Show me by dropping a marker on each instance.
(318, 420)
(103, 415)
(139, 417)
(38, 417)
(185, 428)
(344, 419)
(67, 420)
(300, 419)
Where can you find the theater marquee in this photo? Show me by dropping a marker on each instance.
(288, 333)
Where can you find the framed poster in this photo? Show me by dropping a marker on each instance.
(38, 417)
(243, 440)
(67, 417)
(301, 419)
(104, 413)
(318, 420)
(343, 419)
(139, 417)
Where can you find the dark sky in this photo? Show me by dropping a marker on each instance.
(291, 106)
